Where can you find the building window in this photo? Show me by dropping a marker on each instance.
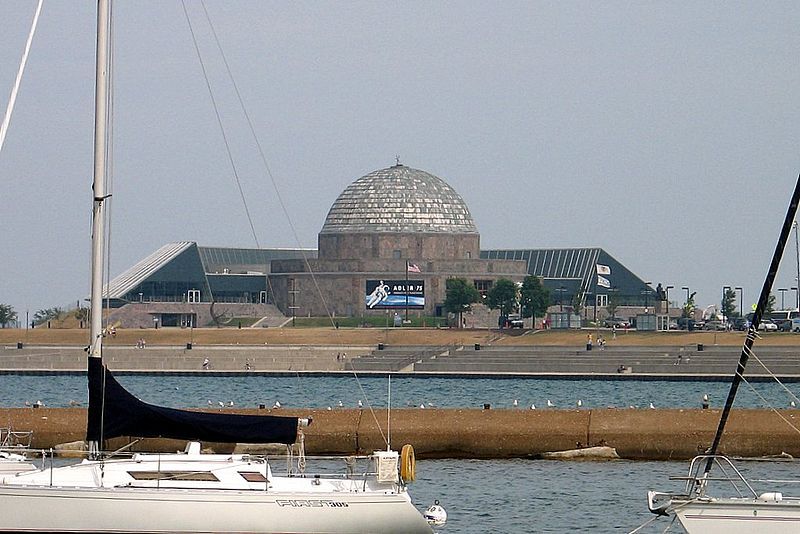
(397, 254)
(602, 301)
(483, 287)
(469, 254)
(193, 295)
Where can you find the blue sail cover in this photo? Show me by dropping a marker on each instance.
(114, 412)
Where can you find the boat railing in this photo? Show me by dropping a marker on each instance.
(15, 438)
(698, 479)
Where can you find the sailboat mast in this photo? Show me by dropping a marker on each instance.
(98, 185)
(757, 314)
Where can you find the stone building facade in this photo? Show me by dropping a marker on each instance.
(381, 223)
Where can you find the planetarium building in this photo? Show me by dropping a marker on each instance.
(389, 243)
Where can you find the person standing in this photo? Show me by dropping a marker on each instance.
(589, 342)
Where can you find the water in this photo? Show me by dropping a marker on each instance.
(504, 496)
(324, 391)
(520, 496)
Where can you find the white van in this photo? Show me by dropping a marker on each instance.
(796, 324)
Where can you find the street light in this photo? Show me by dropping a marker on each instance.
(741, 300)
(560, 297)
(646, 293)
(783, 291)
(667, 295)
(725, 290)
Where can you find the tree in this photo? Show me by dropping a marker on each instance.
(613, 303)
(460, 296)
(688, 308)
(503, 296)
(577, 303)
(728, 304)
(534, 297)
(7, 315)
(48, 314)
(770, 305)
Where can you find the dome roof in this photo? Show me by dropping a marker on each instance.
(399, 200)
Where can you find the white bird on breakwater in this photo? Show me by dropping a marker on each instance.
(221, 404)
(329, 408)
(579, 403)
(652, 407)
(550, 404)
(360, 404)
(209, 402)
(341, 404)
(533, 406)
(277, 404)
(422, 405)
(230, 403)
(792, 404)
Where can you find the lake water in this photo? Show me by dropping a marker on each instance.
(323, 391)
(503, 496)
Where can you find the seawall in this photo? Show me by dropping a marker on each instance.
(660, 434)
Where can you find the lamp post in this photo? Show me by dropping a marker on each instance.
(797, 250)
(783, 291)
(561, 297)
(741, 300)
(667, 295)
(646, 293)
(795, 292)
(725, 290)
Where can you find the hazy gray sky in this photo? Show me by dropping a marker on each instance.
(665, 132)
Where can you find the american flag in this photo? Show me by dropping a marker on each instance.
(412, 268)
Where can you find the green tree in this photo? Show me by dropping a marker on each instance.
(460, 295)
(7, 315)
(688, 308)
(770, 305)
(48, 314)
(613, 304)
(503, 296)
(534, 297)
(728, 304)
(577, 303)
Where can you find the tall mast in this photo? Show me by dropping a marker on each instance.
(98, 185)
(759, 311)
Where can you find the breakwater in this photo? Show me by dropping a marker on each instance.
(660, 434)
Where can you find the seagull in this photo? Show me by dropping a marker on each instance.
(705, 397)
(550, 404)
(340, 404)
(277, 404)
(221, 404)
(38, 404)
(230, 403)
(360, 404)
(422, 405)
(209, 402)
(329, 408)
(516, 403)
(792, 404)
(73, 402)
(652, 407)
(579, 403)
(533, 406)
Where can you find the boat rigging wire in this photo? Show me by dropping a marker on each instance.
(278, 196)
(751, 334)
(221, 126)
(18, 80)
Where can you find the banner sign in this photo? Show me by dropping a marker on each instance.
(391, 294)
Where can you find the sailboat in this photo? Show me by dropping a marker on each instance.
(697, 508)
(191, 491)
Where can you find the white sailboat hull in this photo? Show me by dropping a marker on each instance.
(51, 509)
(738, 516)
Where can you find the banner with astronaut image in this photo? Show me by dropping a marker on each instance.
(391, 294)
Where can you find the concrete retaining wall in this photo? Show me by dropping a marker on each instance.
(452, 433)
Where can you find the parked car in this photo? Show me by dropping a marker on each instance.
(740, 323)
(616, 321)
(673, 325)
(716, 325)
(796, 324)
(767, 325)
(510, 321)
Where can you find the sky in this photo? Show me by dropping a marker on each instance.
(664, 132)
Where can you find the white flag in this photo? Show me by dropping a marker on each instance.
(603, 269)
(603, 281)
